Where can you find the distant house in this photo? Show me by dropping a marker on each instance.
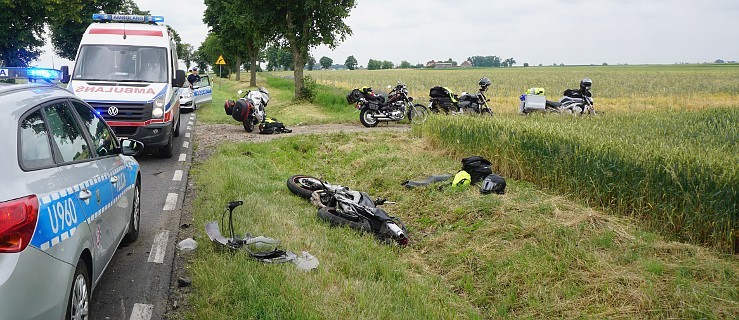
(430, 64)
(441, 64)
(466, 64)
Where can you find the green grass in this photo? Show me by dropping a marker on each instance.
(676, 170)
(329, 105)
(526, 254)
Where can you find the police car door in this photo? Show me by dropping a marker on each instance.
(105, 147)
(202, 92)
(79, 167)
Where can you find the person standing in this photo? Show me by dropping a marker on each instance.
(193, 77)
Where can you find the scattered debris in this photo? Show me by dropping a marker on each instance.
(188, 244)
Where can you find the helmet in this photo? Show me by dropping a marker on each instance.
(484, 82)
(585, 84)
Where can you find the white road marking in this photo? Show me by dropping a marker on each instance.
(171, 202)
(142, 311)
(177, 175)
(182, 157)
(159, 248)
(186, 144)
(187, 134)
(190, 123)
(189, 128)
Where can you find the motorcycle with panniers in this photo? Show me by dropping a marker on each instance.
(443, 100)
(397, 106)
(249, 109)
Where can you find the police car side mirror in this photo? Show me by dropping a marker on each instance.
(179, 79)
(65, 74)
(130, 147)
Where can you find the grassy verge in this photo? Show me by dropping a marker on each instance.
(329, 107)
(526, 254)
(675, 170)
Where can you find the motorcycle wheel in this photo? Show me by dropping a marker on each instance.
(339, 218)
(367, 118)
(486, 112)
(249, 124)
(303, 186)
(418, 114)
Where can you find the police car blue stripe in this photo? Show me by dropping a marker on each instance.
(59, 215)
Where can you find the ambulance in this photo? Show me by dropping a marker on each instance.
(127, 69)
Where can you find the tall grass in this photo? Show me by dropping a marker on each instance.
(677, 170)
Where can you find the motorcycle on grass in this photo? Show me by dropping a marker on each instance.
(574, 101)
(249, 109)
(342, 206)
(375, 108)
(444, 100)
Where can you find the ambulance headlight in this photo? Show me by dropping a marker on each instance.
(158, 107)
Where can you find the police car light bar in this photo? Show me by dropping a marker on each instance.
(33, 74)
(104, 17)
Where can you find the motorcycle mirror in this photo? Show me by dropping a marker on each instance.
(389, 86)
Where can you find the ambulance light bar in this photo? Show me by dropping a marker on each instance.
(104, 17)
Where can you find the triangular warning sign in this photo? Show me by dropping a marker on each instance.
(220, 60)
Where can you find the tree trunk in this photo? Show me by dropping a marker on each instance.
(238, 68)
(253, 68)
(299, 64)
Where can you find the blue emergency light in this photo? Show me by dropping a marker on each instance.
(131, 18)
(33, 74)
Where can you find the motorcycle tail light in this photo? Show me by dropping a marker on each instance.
(17, 223)
(403, 241)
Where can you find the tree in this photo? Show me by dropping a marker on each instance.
(525, 64)
(285, 59)
(508, 62)
(311, 62)
(304, 24)
(22, 28)
(351, 62)
(387, 65)
(374, 64)
(186, 53)
(68, 20)
(405, 65)
(719, 61)
(326, 62)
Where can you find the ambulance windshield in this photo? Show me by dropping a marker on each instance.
(121, 64)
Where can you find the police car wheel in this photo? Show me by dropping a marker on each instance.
(78, 306)
(135, 223)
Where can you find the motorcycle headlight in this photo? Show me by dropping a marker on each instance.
(158, 107)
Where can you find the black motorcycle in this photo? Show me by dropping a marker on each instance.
(397, 106)
(342, 206)
(444, 100)
(573, 101)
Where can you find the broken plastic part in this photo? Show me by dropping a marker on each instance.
(438, 178)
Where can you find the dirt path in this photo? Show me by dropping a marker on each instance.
(209, 136)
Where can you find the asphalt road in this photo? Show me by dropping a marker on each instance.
(135, 284)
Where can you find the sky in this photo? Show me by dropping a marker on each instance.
(529, 31)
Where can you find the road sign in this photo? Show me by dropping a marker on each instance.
(220, 60)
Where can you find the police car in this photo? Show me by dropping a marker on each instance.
(70, 195)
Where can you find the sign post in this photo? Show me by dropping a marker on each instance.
(220, 62)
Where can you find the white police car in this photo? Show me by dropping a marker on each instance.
(201, 93)
(69, 196)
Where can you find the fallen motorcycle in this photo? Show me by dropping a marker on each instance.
(342, 206)
(249, 109)
(375, 108)
(444, 100)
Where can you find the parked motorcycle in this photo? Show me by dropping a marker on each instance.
(574, 101)
(249, 109)
(375, 108)
(342, 206)
(444, 100)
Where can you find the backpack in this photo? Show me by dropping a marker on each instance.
(493, 184)
(478, 168)
(271, 125)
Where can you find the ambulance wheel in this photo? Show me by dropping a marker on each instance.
(135, 223)
(168, 150)
(177, 127)
(78, 306)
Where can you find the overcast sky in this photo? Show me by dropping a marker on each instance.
(533, 31)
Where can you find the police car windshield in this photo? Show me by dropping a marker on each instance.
(121, 64)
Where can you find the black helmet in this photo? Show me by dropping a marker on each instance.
(585, 84)
(484, 82)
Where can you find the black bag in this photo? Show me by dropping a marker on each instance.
(241, 110)
(271, 125)
(478, 168)
(229, 106)
(354, 96)
(439, 92)
(493, 183)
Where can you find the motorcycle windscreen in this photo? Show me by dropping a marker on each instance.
(202, 92)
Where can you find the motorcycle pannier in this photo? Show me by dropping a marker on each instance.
(440, 92)
(354, 96)
(241, 110)
(229, 106)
